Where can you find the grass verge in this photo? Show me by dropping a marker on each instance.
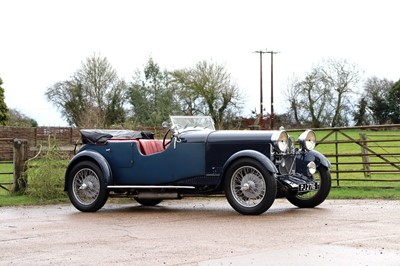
(364, 193)
(25, 200)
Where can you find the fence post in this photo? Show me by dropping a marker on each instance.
(20, 157)
(365, 158)
(337, 158)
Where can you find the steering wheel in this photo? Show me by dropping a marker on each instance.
(166, 142)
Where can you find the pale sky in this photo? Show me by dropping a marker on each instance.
(45, 41)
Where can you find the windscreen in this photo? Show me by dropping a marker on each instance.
(191, 122)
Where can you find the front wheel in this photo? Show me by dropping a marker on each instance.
(249, 188)
(87, 187)
(316, 197)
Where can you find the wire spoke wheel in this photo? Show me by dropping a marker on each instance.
(314, 198)
(86, 186)
(248, 186)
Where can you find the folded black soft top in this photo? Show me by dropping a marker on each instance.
(94, 136)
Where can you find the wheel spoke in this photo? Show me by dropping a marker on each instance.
(248, 186)
(86, 186)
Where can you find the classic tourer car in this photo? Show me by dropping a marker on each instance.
(250, 167)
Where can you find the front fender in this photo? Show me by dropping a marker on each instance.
(264, 160)
(314, 156)
(96, 157)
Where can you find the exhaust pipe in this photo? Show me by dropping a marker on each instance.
(155, 195)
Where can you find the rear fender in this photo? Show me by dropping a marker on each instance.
(93, 156)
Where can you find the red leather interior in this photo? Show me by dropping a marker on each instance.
(150, 146)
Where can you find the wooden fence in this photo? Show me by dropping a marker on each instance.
(40, 136)
(35, 137)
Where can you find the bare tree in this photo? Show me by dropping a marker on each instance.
(93, 97)
(208, 89)
(18, 119)
(189, 100)
(292, 94)
(323, 97)
(341, 77)
(315, 98)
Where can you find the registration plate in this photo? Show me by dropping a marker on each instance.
(308, 187)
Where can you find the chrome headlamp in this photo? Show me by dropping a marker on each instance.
(312, 168)
(308, 140)
(280, 139)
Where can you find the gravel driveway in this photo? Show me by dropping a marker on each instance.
(203, 231)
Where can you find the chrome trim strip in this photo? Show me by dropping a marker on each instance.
(140, 187)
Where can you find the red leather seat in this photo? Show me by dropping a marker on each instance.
(151, 146)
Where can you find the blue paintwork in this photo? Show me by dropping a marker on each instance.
(130, 167)
(264, 160)
(225, 146)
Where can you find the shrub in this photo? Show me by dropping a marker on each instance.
(46, 174)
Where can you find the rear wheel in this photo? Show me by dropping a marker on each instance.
(249, 188)
(87, 187)
(315, 197)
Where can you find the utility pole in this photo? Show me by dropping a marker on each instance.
(261, 87)
(272, 116)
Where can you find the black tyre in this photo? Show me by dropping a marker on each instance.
(87, 187)
(316, 197)
(148, 202)
(249, 188)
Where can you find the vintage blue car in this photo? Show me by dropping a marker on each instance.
(251, 168)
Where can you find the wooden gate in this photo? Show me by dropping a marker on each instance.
(20, 156)
(362, 156)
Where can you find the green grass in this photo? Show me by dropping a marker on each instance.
(6, 168)
(364, 193)
(8, 199)
(23, 200)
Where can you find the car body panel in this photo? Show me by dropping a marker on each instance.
(129, 166)
(224, 146)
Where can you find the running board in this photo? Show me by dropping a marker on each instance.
(152, 187)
